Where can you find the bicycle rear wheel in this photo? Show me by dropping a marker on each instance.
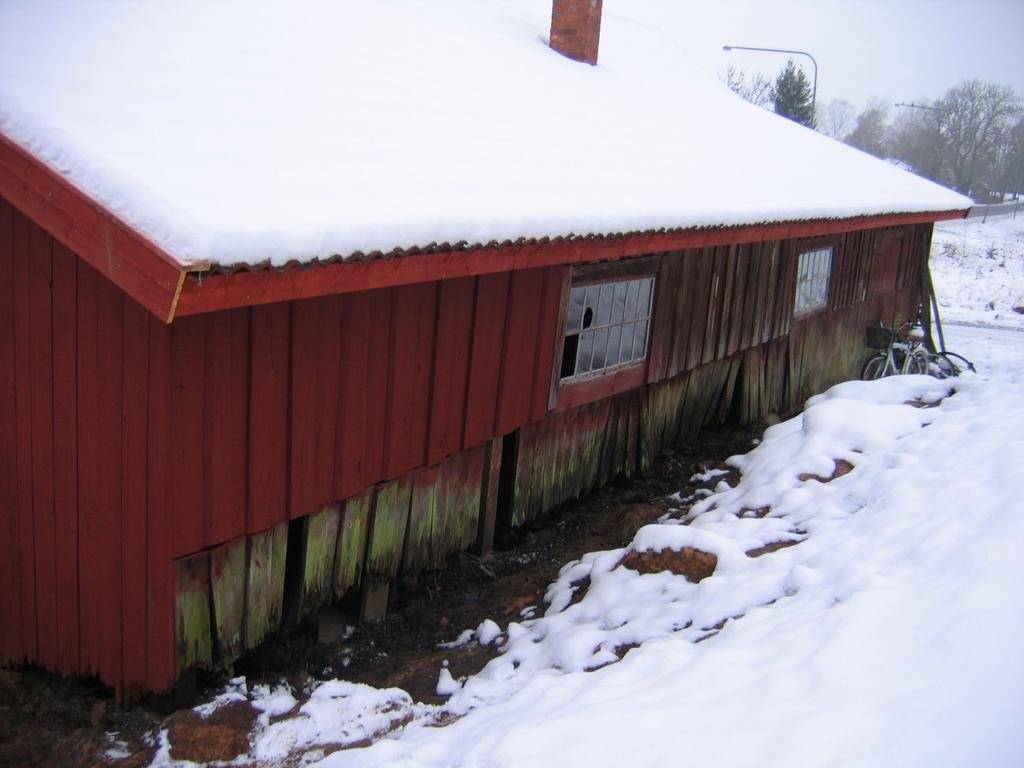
(957, 364)
(918, 362)
(875, 367)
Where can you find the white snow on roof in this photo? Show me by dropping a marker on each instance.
(241, 132)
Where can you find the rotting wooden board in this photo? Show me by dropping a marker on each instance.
(264, 592)
(227, 587)
(192, 641)
(387, 534)
(422, 513)
(352, 533)
(321, 550)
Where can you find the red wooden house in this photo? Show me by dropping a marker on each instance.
(190, 447)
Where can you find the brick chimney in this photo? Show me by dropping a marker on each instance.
(576, 28)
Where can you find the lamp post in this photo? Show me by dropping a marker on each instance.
(917, 106)
(814, 89)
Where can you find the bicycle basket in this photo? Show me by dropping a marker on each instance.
(878, 337)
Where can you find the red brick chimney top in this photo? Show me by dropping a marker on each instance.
(576, 28)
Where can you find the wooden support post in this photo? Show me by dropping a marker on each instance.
(373, 605)
(489, 497)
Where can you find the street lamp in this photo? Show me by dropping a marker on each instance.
(917, 106)
(814, 89)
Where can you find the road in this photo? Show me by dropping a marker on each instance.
(1000, 209)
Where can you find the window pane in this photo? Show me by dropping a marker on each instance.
(600, 345)
(590, 305)
(814, 270)
(619, 304)
(604, 308)
(628, 332)
(640, 341)
(575, 309)
(614, 337)
(585, 352)
(633, 288)
(644, 304)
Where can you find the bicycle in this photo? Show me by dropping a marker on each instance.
(899, 355)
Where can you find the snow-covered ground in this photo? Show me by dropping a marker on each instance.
(887, 634)
(978, 268)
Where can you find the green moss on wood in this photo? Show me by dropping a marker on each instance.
(387, 534)
(193, 644)
(265, 583)
(352, 535)
(227, 585)
(321, 549)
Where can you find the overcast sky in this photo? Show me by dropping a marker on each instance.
(896, 50)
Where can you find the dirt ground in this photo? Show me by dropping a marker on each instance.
(46, 720)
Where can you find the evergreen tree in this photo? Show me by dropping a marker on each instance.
(792, 94)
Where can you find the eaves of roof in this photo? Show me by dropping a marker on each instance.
(169, 289)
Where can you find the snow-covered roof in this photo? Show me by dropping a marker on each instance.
(242, 133)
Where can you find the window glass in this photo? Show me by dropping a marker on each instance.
(606, 326)
(813, 272)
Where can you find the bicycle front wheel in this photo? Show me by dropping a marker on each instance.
(874, 367)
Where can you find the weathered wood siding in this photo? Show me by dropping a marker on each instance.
(141, 465)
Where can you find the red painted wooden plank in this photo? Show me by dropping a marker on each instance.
(10, 566)
(453, 340)
(485, 360)
(327, 399)
(23, 387)
(353, 381)
(600, 387)
(739, 322)
(751, 308)
(41, 360)
(89, 464)
(101, 238)
(109, 510)
(724, 315)
(701, 297)
(377, 373)
(665, 320)
(160, 660)
(65, 440)
(315, 393)
(305, 337)
(548, 331)
(684, 299)
(522, 329)
(412, 335)
(268, 416)
(226, 425)
(188, 349)
(247, 288)
(134, 461)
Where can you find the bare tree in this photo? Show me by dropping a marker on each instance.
(757, 89)
(975, 118)
(836, 118)
(915, 138)
(869, 134)
(1012, 162)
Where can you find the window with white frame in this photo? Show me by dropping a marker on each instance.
(813, 272)
(607, 325)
